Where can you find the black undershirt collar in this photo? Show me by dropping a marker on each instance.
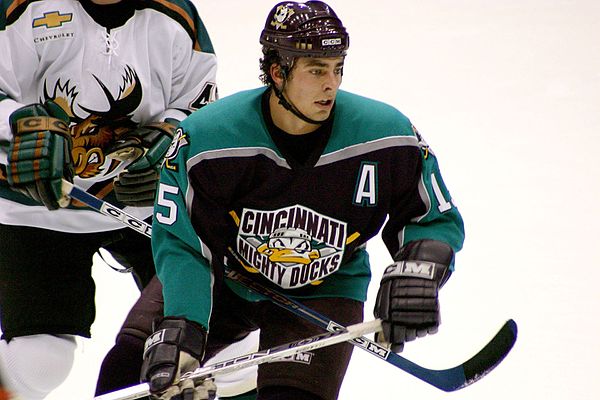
(110, 16)
(299, 150)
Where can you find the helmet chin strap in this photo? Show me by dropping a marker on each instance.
(291, 108)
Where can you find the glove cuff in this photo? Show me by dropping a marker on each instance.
(426, 259)
(187, 335)
(172, 338)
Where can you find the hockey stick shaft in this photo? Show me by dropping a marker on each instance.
(106, 208)
(447, 379)
(259, 357)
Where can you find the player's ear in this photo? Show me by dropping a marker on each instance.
(277, 74)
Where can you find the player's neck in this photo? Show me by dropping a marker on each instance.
(286, 120)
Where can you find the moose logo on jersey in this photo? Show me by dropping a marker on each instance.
(94, 134)
(292, 246)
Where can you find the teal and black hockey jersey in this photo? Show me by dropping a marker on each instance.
(228, 196)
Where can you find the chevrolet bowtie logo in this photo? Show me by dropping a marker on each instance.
(52, 19)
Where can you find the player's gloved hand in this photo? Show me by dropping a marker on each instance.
(147, 146)
(407, 301)
(39, 154)
(175, 347)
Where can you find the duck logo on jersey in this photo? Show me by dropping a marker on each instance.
(293, 246)
(281, 15)
(422, 143)
(179, 140)
(52, 19)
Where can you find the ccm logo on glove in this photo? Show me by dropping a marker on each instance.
(417, 269)
(34, 124)
(154, 339)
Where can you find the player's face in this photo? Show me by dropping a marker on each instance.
(313, 85)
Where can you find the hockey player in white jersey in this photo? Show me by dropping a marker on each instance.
(90, 91)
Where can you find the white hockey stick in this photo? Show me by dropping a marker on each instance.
(106, 208)
(259, 357)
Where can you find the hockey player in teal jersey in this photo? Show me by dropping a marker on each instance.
(90, 92)
(287, 183)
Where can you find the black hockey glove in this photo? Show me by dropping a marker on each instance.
(39, 154)
(176, 347)
(147, 146)
(407, 301)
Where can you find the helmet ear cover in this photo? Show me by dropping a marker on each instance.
(310, 29)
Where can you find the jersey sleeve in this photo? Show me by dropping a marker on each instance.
(194, 70)
(18, 64)
(182, 261)
(440, 220)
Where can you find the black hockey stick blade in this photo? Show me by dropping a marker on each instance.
(491, 355)
(475, 368)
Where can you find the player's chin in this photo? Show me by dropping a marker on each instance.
(321, 115)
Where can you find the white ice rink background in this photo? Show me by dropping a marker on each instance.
(507, 93)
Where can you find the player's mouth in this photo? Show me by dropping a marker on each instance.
(324, 103)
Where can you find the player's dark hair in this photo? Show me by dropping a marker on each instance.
(270, 57)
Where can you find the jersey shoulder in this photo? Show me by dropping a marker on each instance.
(185, 14)
(12, 10)
(235, 121)
(360, 119)
(182, 12)
(373, 113)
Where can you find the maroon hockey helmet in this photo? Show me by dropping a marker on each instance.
(310, 29)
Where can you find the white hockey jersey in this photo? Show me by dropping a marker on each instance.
(159, 63)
